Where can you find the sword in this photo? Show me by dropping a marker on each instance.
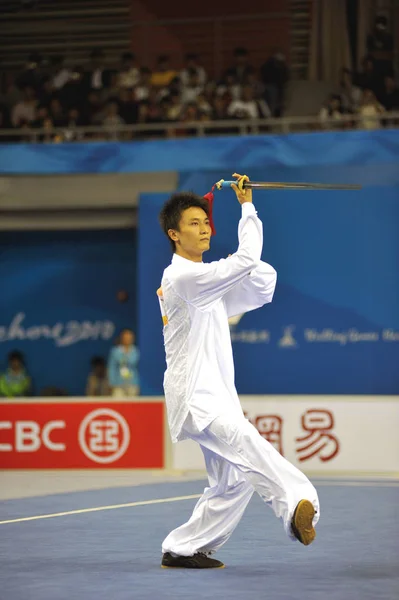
(276, 185)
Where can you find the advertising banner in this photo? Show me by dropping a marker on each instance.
(82, 435)
(322, 435)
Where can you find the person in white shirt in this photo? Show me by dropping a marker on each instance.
(248, 107)
(196, 300)
(129, 75)
(192, 64)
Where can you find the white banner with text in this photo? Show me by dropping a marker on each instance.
(320, 434)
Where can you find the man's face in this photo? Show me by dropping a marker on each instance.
(194, 233)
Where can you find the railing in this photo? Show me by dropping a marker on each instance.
(144, 131)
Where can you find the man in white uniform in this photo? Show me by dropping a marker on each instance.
(196, 301)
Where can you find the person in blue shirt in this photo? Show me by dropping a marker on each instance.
(123, 361)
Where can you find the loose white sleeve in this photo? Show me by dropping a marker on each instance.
(255, 290)
(202, 284)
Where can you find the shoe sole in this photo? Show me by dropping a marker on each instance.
(303, 522)
(206, 568)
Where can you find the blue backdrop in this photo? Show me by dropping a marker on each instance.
(58, 300)
(333, 326)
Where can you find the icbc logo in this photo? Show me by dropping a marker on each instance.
(29, 436)
(104, 435)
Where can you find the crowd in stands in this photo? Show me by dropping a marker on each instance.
(117, 377)
(370, 93)
(48, 95)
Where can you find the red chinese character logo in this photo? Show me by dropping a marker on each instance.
(270, 427)
(319, 439)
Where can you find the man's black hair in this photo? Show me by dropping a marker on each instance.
(172, 210)
(96, 361)
(16, 355)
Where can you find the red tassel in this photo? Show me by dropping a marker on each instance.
(210, 197)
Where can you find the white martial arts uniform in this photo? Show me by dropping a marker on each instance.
(202, 402)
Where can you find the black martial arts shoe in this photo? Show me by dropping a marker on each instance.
(198, 561)
(302, 522)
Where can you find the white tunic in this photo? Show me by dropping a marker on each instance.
(198, 298)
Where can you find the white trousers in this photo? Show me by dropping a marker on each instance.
(238, 461)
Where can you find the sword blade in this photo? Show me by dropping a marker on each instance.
(275, 185)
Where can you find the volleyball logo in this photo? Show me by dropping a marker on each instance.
(104, 436)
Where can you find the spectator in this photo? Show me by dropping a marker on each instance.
(163, 74)
(367, 78)
(12, 94)
(241, 67)
(42, 113)
(15, 382)
(61, 74)
(142, 90)
(25, 110)
(122, 366)
(191, 61)
(32, 74)
(112, 120)
(350, 94)
(203, 105)
(112, 117)
(98, 77)
(274, 75)
(94, 110)
(73, 120)
(229, 88)
(256, 84)
(112, 92)
(175, 107)
(333, 109)
(192, 89)
(74, 91)
(219, 111)
(247, 107)
(190, 114)
(128, 108)
(43, 121)
(380, 47)
(150, 110)
(390, 95)
(369, 110)
(173, 88)
(46, 92)
(5, 123)
(97, 382)
(56, 112)
(129, 75)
